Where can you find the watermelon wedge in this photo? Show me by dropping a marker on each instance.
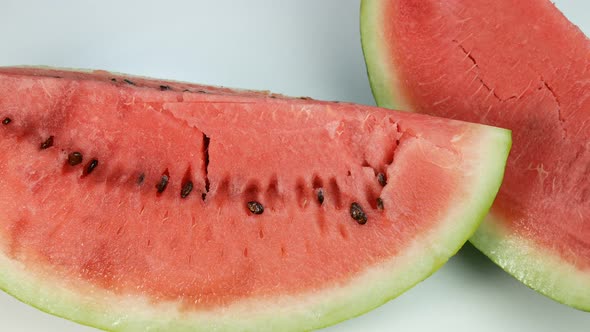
(515, 64)
(137, 204)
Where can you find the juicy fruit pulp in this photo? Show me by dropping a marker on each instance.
(148, 204)
(515, 64)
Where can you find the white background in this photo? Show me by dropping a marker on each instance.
(296, 47)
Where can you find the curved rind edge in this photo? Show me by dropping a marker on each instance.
(99, 308)
(377, 285)
(511, 253)
(533, 265)
(382, 77)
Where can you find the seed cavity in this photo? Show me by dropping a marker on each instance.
(140, 179)
(318, 187)
(320, 196)
(357, 213)
(6, 121)
(343, 232)
(300, 193)
(382, 179)
(91, 166)
(335, 193)
(164, 87)
(75, 158)
(255, 207)
(206, 142)
(129, 82)
(187, 187)
(161, 186)
(47, 143)
(380, 203)
(272, 195)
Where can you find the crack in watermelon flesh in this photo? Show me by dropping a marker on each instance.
(129, 230)
(515, 64)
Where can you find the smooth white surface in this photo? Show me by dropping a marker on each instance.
(296, 47)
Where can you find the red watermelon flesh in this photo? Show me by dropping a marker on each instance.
(516, 64)
(130, 203)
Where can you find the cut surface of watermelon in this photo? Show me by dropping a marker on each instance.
(136, 204)
(515, 64)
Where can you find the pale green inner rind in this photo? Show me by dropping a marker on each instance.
(90, 305)
(535, 266)
(382, 76)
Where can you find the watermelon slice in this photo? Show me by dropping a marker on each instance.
(136, 204)
(516, 64)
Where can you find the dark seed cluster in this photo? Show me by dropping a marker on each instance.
(76, 158)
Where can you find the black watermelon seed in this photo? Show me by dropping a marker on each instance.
(161, 186)
(75, 158)
(321, 196)
(379, 203)
(114, 79)
(140, 178)
(6, 121)
(186, 189)
(382, 180)
(255, 207)
(357, 213)
(91, 166)
(164, 87)
(47, 144)
(129, 82)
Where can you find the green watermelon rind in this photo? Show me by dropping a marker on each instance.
(92, 306)
(382, 76)
(536, 267)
